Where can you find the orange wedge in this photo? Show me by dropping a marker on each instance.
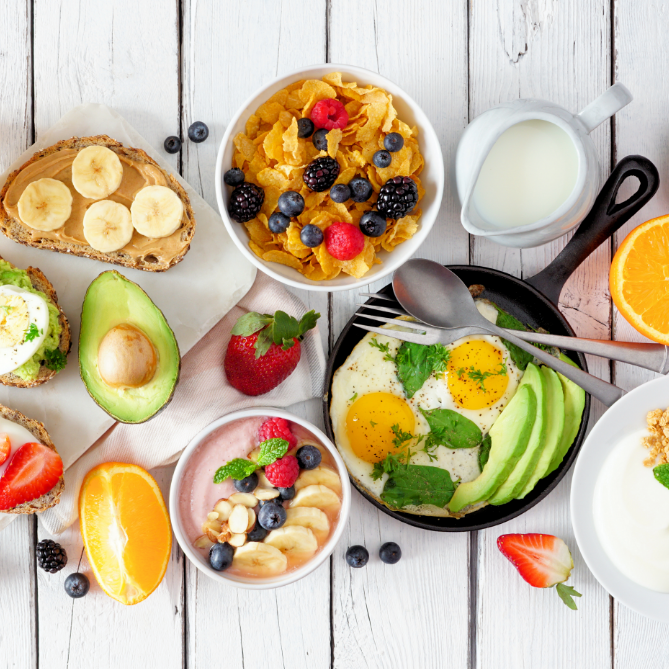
(126, 530)
(639, 279)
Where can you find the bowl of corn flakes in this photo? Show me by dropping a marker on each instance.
(359, 167)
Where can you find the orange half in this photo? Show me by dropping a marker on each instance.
(639, 279)
(126, 530)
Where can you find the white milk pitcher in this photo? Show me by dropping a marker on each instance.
(527, 171)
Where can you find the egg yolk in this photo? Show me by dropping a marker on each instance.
(477, 376)
(369, 424)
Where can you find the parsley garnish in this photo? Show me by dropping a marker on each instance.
(7, 308)
(372, 423)
(55, 360)
(402, 455)
(480, 377)
(384, 348)
(354, 398)
(32, 332)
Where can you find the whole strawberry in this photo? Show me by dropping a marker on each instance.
(264, 350)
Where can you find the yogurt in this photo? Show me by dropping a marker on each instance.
(631, 514)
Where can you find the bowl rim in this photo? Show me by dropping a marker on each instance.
(281, 579)
(396, 258)
(621, 419)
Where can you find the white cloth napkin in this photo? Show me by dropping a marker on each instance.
(203, 394)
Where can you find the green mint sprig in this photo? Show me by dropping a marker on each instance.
(271, 450)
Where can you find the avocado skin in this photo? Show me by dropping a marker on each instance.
(106, 297)
(510, 434)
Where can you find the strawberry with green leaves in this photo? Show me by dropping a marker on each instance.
(264, 350)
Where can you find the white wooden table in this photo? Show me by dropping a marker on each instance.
(453, 600)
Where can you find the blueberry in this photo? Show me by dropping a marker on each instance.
(172, 144)
(77, 585)
(357, 556)
(262, 502)
(249, 484)
(291, 203)
(305, 128)
(272, 516)
(234, 177)
(361, 189)
(278, 222)
(320, 140)
(198, 132)
(382, 158)
(220, 556)
(340, 193)
(372, 224)
(311, 236)
(308, 457)
(393, 142)
(390, 553)
(257, 533)
(286, 493)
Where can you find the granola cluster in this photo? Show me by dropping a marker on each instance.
(658, 441)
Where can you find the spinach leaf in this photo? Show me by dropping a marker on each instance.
(418, 484)
(449, 428)
(506, 320)
(661, 473)
(484, 453)
(416, 362)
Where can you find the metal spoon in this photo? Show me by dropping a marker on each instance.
(447, 303)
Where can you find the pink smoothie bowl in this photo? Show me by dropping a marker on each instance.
(179, 524)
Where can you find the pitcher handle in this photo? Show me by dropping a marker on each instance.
(605, 106)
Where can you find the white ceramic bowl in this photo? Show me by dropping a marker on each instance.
(248, 582)
(626, 416)
(432, 177)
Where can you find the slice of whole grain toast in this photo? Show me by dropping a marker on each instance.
(38, 431)
(18, 232)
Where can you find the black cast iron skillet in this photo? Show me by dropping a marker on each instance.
(533, 301)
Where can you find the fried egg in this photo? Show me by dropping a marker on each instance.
(368, 399)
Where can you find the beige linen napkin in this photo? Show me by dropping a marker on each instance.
(202, 395)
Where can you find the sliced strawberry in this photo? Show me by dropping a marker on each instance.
(32, 472)
(5, 448)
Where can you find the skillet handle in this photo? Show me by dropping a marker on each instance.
(602, 221)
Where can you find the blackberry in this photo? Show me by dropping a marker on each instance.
(278, 222)
(305, 128)
(321, 174)
(373, 224)
(234, 177)
(245, 202)
(320, 140)
(398, 197)
(172, 144)
(50, 556)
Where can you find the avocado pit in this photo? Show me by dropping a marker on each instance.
(126, 357)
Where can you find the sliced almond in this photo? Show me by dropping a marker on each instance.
(223, 508)
(237, 540)
(252, 520)
(203, 542)
(266, 493)
(245, 498)
(225, 534)
(212, 515)
(262, 479)
(239, 519)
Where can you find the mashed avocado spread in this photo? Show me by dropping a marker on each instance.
(46, 353)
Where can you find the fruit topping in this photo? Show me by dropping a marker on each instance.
(220, 556)
(284, 472)
(198, 132)
(344, 241)
(297, 540)
(318, 496)
(278, 222)
(320, 476)
(311, 236)
(393, 141)
(372, 224)
(245, 202)
(390, 553)
(340, 193)
(248, 484)
(361, 189)
(32, 472)
(277, 428)
(271, 516)
(172, 145)
(5, 448)
(320, 139)
(308, 457)
(329, 114)
(309, 517)
(398, 197)
(258, 533)
(234, 177)
(542, 560)
(357, 556)
(382, 158)
(286, 493)
(291, 203)
(305, 128)
(320, 174)
(260, 559)
(77, 585)
(50, 556)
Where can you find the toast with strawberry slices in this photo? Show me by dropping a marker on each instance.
(37, 472)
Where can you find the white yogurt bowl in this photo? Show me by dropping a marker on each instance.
(256, 583)
(432, 178)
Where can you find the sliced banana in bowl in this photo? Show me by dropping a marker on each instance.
(261, 559)
(96, 172)
(297, 540)
(45, 204)
(157, 211)
(311, 518)
(108, 226)
(318, 496)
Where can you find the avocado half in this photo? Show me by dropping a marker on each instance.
(113, 300)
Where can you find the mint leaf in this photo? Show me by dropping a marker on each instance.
(32, 332)
(484, 453)
(567, 593)
(418, 484)
(661, 473)
(55, 360)
(417, 362)
(237, 469)
(250, 323)
(451, 429)
(271, 450)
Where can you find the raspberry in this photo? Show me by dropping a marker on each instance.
(344, 241)
(277, 428)
(329, 114)
(284, 472)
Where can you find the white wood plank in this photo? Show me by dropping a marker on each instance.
(415, 613)
(559, 52)
(641, 55)
(230, 49)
